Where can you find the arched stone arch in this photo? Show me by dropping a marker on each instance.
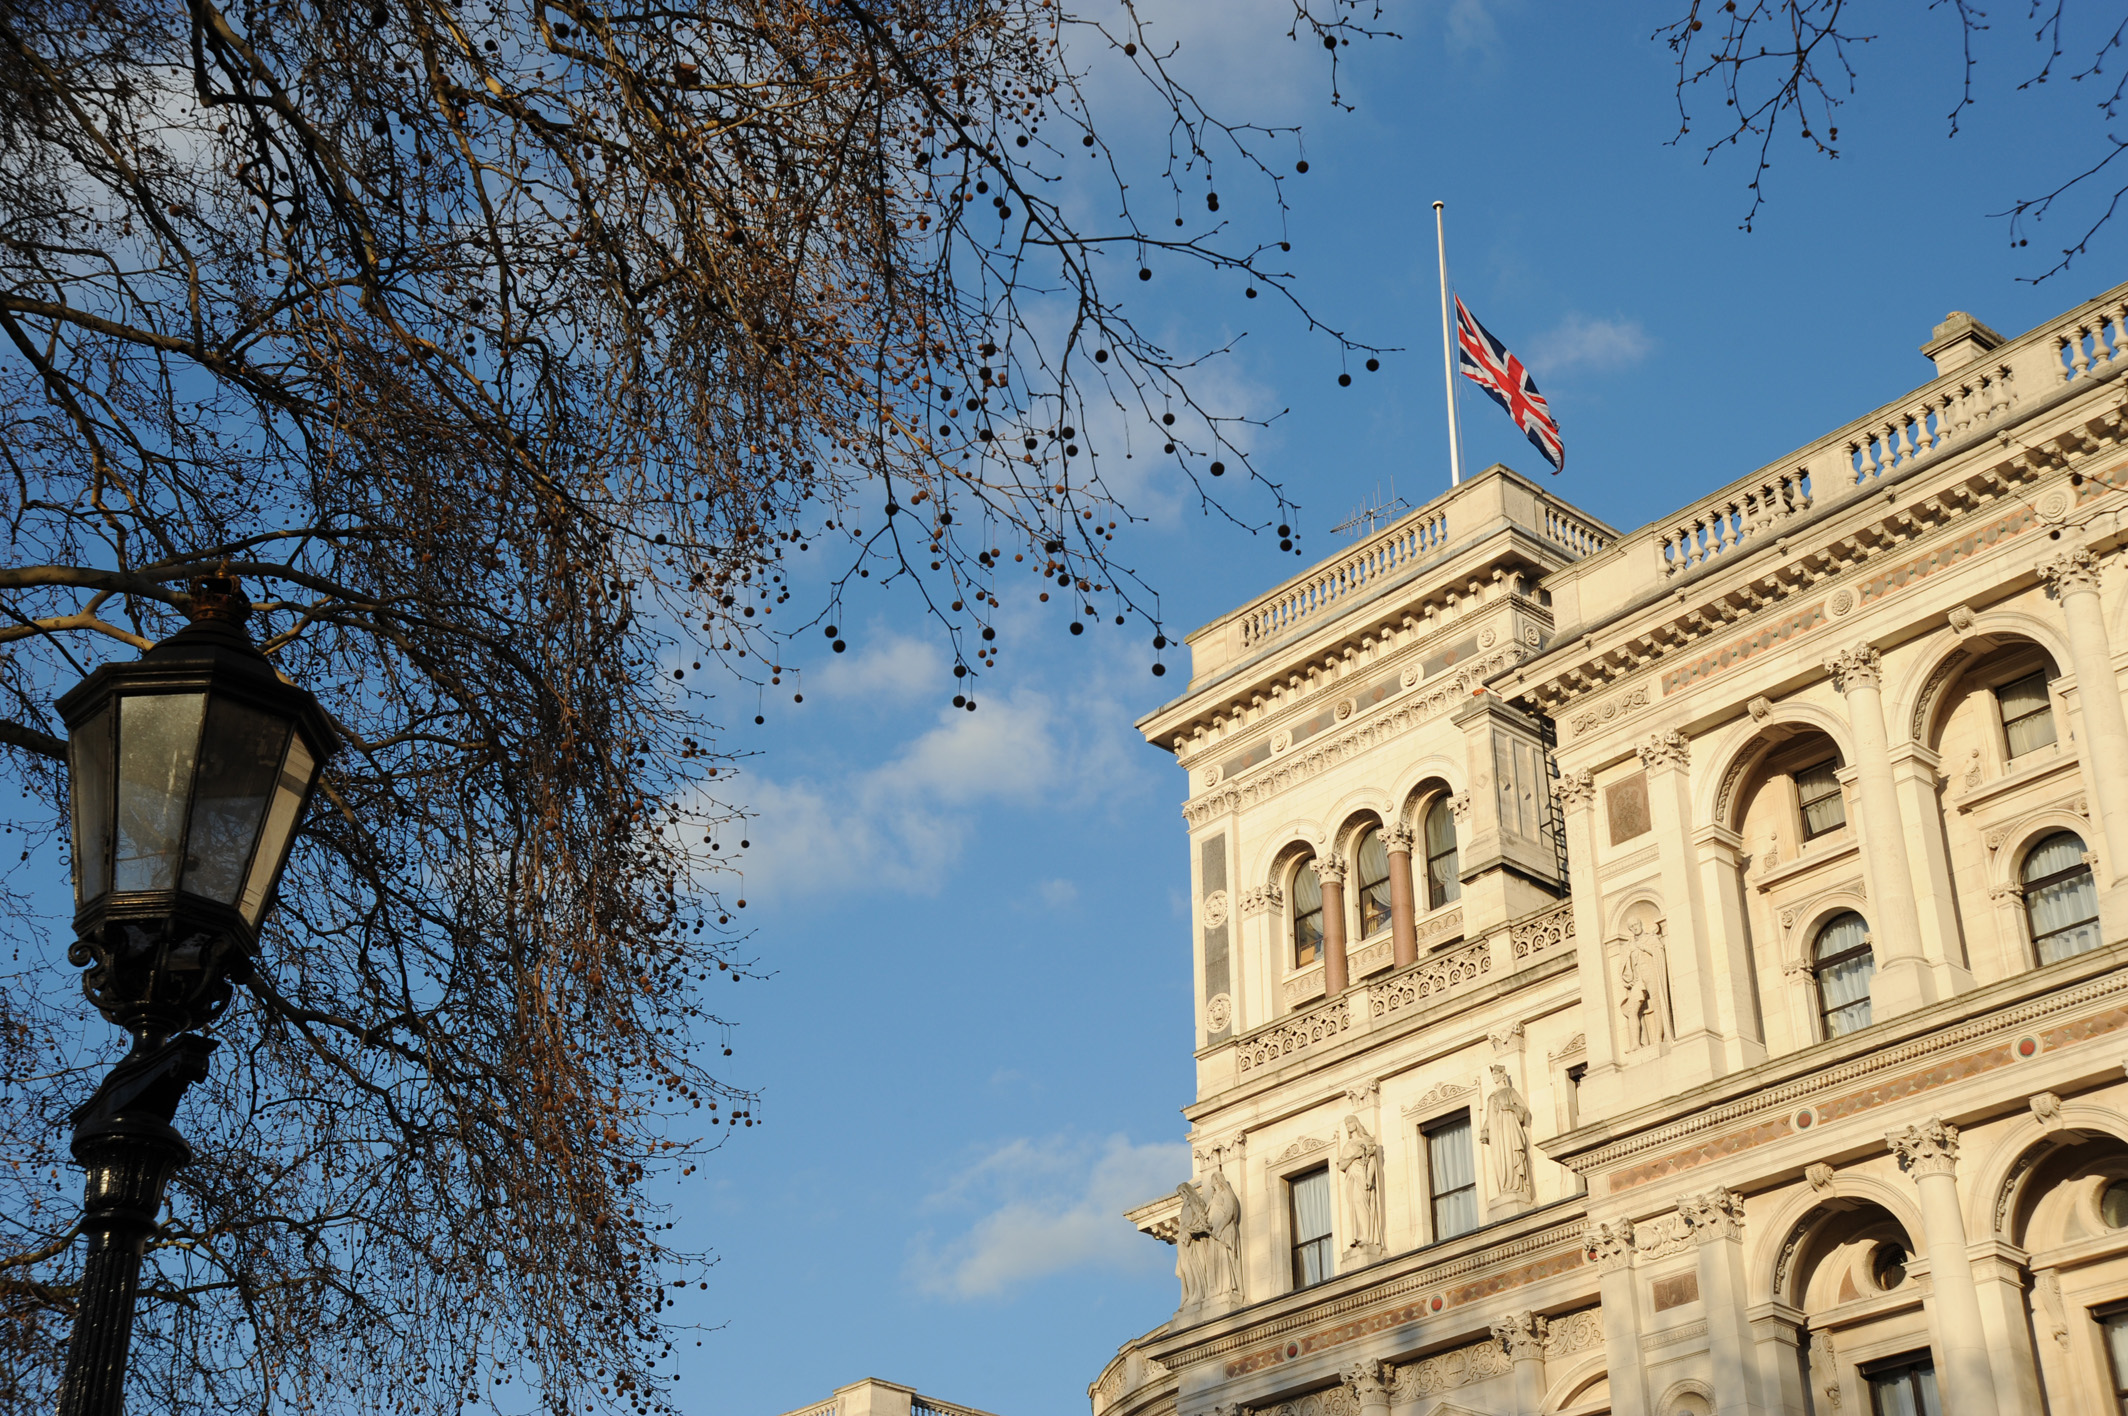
(1999, 1182)
(1772, 1273)
(1798, 939)
(1917, 712)
(2006, 859)
(1422, 778)
(1569, 1390)
(1741, 749)
(1273, 863)
(1355, 812)
(1687, 1397)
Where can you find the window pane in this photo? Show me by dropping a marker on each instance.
(1843, 932)
(1371, 865)
(1452, 1178)
(1307, 915)
(2027, 714)
(89, 778)
(1845, 966)
(1311, 1206)
(1905, 1391)
(1818, 794)
(2116, 1330)
(240, 760)
(1443, 882)
(1825, 814)
(2061, 902)
(294, 786)
(157, 736)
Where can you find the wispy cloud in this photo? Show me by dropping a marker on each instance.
(1599, 346)
(1045, 1206)
(897, 667)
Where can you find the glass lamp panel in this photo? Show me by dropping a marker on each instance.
(89, 783)
(289, 794)
(240, 758)
(158, 743)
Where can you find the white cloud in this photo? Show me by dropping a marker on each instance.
(1059, 893)
(1047, 1206)
(897, 667)
(1601, 346)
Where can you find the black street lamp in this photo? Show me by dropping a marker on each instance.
(190, 769)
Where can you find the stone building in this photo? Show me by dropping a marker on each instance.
(1676, 971)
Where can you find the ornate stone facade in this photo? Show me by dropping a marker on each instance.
(1745, 1029)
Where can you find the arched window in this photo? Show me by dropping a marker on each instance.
(1844, 965)
(1371, 868)
(2061, 902)
(1443, 883)
(1307, 915)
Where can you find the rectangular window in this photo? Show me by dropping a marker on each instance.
(1310, 1197)
(1818, 794)
(1451, 1177)
(2115, 1326)
(1907, 1388)
(2027, 714)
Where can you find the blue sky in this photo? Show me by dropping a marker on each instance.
(976, 1037)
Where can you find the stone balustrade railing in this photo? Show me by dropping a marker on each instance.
(1402, 545)
(1441, 974)
(1978, 395)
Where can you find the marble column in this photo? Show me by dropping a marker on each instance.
(1716, 1220)
(1576, 795)
(2073, 577)
(1330, 870)
(1522, 1334)
(1696, 1045)
(1735, 976)
(1612, 1247)
(1917, 777)
(1403, 906)
(1369, 1385)
(1999, 1281)
(1929, 1153)
(1903, 981)
(1779, 1334)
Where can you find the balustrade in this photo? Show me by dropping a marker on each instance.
(1368, 563)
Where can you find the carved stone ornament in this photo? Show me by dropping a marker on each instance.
(1575, 1046)
(1507, 1039)
(1610, 1245)
(1666, 749)
(1819, 1174)
(1522, 1335)
(1362, 1095)
(1506, 1136)
(1487, 637)
(1397, 839)
(1859, 667)
(1367, 1381)
(2053, 1312)
(1215, 909)
(2046, 1109)
(1576, 791)
(1218, 1012)
(1717, 1214)
(1330, 869)
(1440, 1095)
(1662, 1236)
(1306, 1145)
(1825, 1370)
(1842, 602)
(1359, 1163)
(1929, 1148)
(1445, 1371)
(1263, 897)
(2071, 572)
(1961, 617)
(1459, 808)
(1571, 1333)
(1761, 708)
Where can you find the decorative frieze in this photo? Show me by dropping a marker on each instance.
(1445, 1371)
(1542, 934)
(1590, 719)
(1429, 979)
(1521, 1336)
(1716, 1214)
(1572, 1333)
(1610, 1244)
(1312, 1029)
(1666, 749)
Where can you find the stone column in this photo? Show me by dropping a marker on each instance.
(1695, 1045)
(1576, 794)
(1919, 782)
(1330, 869)
(1716, 1220)
(1612, 1247)
(1999, 1281)
(1369, 1385)
(1902, 982)
(1522, 1334)
(1929, 1153)
(1777, 1330)
(2073, 577)
(1734, 972)
(1403, 905)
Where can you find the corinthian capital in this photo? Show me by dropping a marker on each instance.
(1611, 1245)
(1666, 749)
(1330, 869)
(1365, 1381)
(1522, 1334)
(1718, 1214)
(1398, 838)
(1854, 668)
(2070, 572)
(1930, 1148)
(1576, 790)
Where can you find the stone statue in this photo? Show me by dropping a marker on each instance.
(1222, 1270)
(1640, 994)
(1506, 1132)
(1359, 1160)
(1193, 1230)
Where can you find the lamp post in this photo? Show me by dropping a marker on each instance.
(190, 768)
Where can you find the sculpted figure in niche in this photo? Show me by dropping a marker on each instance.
(1359, 1160)
(1222, 1269)
(1640, 992)
(1193, 1243)
(1506, 1132)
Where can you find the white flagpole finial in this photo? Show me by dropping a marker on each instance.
(1448, 355)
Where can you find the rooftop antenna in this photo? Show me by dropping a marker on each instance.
(1364, 521)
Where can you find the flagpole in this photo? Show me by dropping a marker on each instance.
(1448, 356)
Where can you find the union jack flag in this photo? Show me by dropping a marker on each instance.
(1486, 362)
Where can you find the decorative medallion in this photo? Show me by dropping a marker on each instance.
(1344, 709)
(1215, 909)
(1281, 740)
(2053, 506)
(2027, 1047)
(1212, 777)
(1805, 1119)
(1218, 1012)
(1532, 636)
(1487, 637)
(1842, 601)
(1411, 678)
